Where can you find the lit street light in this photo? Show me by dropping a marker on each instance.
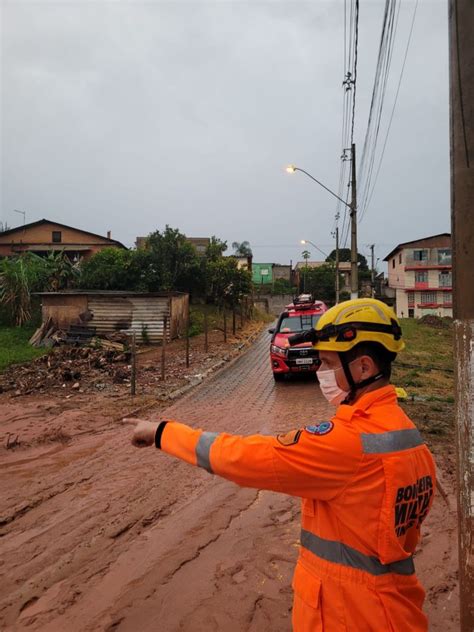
(307, 241)
(353, 214)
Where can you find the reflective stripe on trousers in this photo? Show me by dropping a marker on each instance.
(339, 553)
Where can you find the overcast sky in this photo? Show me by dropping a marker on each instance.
(127, 116)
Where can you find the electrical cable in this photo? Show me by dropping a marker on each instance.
(392, 113)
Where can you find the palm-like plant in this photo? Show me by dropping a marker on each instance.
(242, 249)
(19, 277)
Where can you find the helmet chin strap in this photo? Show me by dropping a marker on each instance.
(353, 386)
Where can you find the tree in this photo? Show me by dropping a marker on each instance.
(242, 249)
(108, 269)
(283, 286)
(169, 262)
(60, 270)
(3, 227)
(321, 281)
(345, 255)
(226, 283)
(215, 249)
(175, 259)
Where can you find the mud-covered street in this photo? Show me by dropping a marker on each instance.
(97, 535)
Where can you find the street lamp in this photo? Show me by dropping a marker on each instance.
(353, 214)
(307, 241)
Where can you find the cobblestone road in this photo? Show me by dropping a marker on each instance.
(97, 535)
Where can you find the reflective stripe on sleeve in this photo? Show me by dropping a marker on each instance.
(339, 553)
(393, 441)
(202, 450)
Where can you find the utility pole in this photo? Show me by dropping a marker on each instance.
(372, 271)
(461, 67)
(353, 214)
(337, 265)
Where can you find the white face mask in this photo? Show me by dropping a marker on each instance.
(329, 387)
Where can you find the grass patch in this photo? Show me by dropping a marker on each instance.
(14, 346)
(425, 369)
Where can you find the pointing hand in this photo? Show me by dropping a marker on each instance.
(144, 432)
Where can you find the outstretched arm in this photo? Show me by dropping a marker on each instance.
(299, 463)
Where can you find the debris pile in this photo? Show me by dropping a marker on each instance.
(437, 322)
(76, 368)
(49, 335)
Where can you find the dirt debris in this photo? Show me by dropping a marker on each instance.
(104, 365)
(63, 368)
(438, 322)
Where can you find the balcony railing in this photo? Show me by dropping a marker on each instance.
(432, 260)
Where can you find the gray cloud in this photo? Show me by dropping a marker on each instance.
(131, 115)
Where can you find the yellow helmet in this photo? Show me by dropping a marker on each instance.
(358, 320)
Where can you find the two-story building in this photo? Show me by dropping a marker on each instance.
(420, 273)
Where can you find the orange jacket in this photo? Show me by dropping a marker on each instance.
(367, 482)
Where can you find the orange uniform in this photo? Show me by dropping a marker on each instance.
(366, 480)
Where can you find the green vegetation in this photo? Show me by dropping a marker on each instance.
(21, 276)
(321, 282)
(425, 369)
(168, 262)
(14, 347)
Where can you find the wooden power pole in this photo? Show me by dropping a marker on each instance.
(337, 265)
(461, 66)
(372, 271)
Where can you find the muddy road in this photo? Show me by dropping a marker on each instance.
(97, 535)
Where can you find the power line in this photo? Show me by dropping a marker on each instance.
(393, 110)
(355, 67)
(384, 59)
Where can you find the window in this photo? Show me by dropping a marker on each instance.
(411, 298)
(445, 279)
(427, 298)
(393, 262)
(444, 256)
(421, 276)
(420, 255)
(400, 258)
(57, 237)
(298, 323)
(448, 298)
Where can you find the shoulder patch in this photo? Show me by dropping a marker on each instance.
(323, 428)
(290, 438)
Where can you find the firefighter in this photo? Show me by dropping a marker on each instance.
(365, 477)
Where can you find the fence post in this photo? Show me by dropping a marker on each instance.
(233, 319)
(242, 313)
(225, 325)
(134, 365)
(163, 348)
(206, 328)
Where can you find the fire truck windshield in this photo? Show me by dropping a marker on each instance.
(298, 322)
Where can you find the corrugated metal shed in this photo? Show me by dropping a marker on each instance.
(118, 311)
